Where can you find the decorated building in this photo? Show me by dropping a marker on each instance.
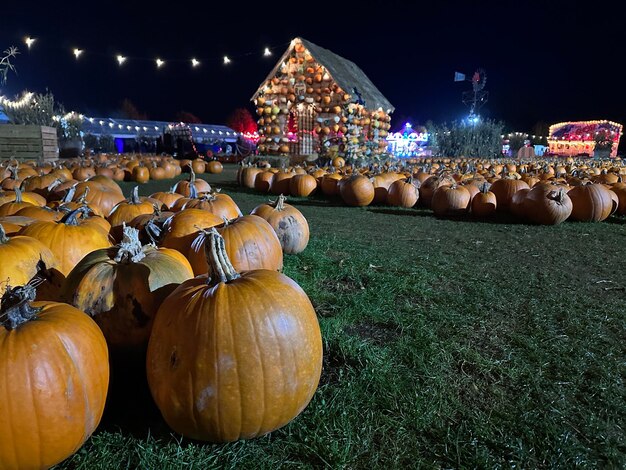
(408, 142)
(315, 102)
(581, 137)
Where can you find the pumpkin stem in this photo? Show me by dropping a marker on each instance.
(192, 178)
(193, 192)
(3, 236)
(71, 218)
(557, 195)
(69, 195)
(16, 308)
(279, 204)
(130, 249)
(54, 184)
(83, 198)
(18, 195)
(134, 196)
(220, 267)
(153, 231)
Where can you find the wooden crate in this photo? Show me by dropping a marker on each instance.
(28, 142)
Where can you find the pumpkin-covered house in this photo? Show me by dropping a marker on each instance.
(315, 102)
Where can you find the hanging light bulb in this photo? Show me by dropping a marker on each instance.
(77, 52)
(226, 60)
(29, 41)
(267, 52)
(195, 62)
(160, 63)
(120, 59)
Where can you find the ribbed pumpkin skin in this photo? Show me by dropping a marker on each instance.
(547, 205)
(620, 190)
(101, 195)
(302, 185)
(18, 261)
(263, 181)
(357, 191)
(484, 204)
(329, 184)
(248, 176)
(402, 194)
(251, 243)
(291, 227)
(591, 203)
(504, 189)
(125, 212)
(237, 360)
(222, 205)
(123, 298)
(68, 243)
(55, 378)
(450, 200)
(280, 182)
(181, 229)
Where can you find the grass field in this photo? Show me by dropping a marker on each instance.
(448, 343)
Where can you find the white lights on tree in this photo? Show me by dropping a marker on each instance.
(160, 63)
(195, 62)
(120, 59)
(267, 52)
(29, 41)
(77, 52)
(226, 60)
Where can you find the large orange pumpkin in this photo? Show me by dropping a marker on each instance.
(127, 210)
(504, 189)
(222, 205)
(357, 190)
(450, 200)
(123, 287)
(591, 202)
(55, 369)
(403, 193)
(180, 230)
(547, 205)
(219, 340)
(290, 225)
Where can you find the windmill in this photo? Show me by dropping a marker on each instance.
(477, 96)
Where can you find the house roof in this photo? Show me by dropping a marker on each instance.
(344, 72)
(129, 128)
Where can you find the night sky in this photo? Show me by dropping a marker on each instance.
(547, 61)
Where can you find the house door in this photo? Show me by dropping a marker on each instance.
(306, 116)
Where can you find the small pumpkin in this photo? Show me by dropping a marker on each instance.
(290, 225)
(484, 203)
(127, 210)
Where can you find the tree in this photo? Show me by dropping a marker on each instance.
(5, 63)
(130, 111)
(188, 118)
(241, 120)
(482, 139)
(37, 109)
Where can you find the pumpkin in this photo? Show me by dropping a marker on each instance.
(55, 369)
(123, 287)
(20, 259)
(591, 203)
(381, 185)
(69, 239)
(222, 205)
(430, 185)
(215, 167)
(291, 227)
(280, 182)
(547, 205)
(263, 181)
(218, 340)
(11, 208)
(302, 185)
(127, 210)
(620, 190)
(140, 174)
(518, 205)
(167, 198)
(484, 203)
(504, 189)
(329, 184)
(41, 213)
(251, 243)
(180, 230)
(248, 176)
(184, 187)
(450, 200)
(338, 162)
(357, 190)
(403, 193)
(101, 196)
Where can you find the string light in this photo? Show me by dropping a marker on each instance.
(29, 41)
(160, 63)
(25, 100)
(120, 59)
(195, 62)
(226, 60)
(77, 52)
(267, 52)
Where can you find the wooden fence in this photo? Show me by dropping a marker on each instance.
(28, 142)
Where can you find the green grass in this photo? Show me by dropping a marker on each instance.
(448, 343)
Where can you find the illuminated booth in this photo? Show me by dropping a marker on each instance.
(408, 142)
(570, 139)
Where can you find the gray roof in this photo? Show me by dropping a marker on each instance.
(129, 128)
(346, 73)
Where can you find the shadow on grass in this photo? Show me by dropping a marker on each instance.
(498, 218)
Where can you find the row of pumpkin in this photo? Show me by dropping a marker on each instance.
(69, 296)
(539, 197)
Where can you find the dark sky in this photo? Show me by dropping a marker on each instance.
(545, 61)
